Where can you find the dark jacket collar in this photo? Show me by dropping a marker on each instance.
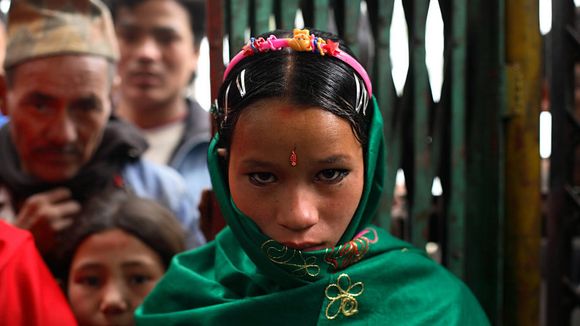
(197, 131)
(120, 145)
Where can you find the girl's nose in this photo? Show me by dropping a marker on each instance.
(114, 300)
(299, 211)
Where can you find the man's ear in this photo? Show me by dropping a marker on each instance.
(194, 60)
(3, 95)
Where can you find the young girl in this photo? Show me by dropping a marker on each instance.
(298, 166)
(120, 251)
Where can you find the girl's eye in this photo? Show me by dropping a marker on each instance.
(262, 178)
(331, 176)
(89, 281)
(139, 279)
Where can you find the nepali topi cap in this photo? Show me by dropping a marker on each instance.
(42, 28)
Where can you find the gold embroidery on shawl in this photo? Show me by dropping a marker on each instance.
(351, 252)
(342, 300)
(289, 257)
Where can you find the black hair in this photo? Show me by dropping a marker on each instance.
(304, 79)
(195, 10)
(142, 218)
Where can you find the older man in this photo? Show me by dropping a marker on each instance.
(61, 146)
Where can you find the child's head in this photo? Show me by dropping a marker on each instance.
(294, 126)
(120, 251)
(301, 78)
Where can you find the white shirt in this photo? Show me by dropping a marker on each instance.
(162, 141)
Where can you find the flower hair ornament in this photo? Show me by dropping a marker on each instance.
(302, 41)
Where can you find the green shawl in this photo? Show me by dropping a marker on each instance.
(246, 278)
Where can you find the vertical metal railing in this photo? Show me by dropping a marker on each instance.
(387, 100)
(563, 203)
(522, 163)
(456, 14)
(423, 167)
(484, 212)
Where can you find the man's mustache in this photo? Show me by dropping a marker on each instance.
(70, 149)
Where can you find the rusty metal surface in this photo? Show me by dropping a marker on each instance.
(522, 164)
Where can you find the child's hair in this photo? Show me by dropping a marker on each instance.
(302, 78)
(142, 218)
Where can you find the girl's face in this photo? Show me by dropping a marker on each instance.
(110, 275)
(297, 172)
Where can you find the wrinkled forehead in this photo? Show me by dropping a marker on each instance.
(63, 72)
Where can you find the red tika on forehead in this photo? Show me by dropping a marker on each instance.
(293, 158)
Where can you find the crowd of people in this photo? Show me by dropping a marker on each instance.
(103, 161)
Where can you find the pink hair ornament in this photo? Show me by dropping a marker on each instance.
(302, 41)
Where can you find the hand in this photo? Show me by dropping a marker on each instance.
(47, 213)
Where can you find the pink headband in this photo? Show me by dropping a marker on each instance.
(302, 41)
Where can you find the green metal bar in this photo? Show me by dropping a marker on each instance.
(351, 18)
(288, 13)
(500, 257)
(215, 35)
(457, 192)
(384, 91)
(484, 212)
(423, 177)
(263, 10)
(321, 9)
(239, 22)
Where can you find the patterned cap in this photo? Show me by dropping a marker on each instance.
(40, 28)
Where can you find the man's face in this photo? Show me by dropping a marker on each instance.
(157, 52)
(58, 108)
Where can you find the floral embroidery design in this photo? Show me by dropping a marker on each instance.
(291, 258)
(342, 296)
(351, 252)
